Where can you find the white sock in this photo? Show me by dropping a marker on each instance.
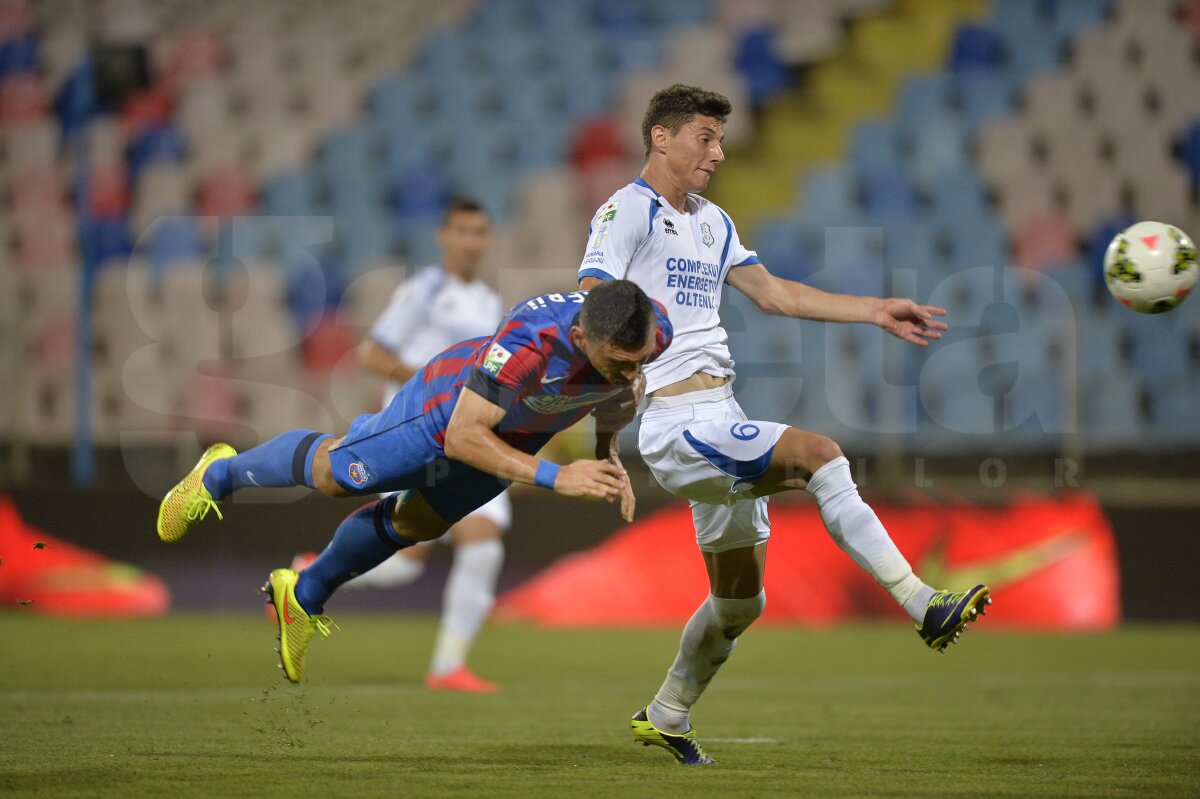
(708, 640)
(396, 570)
(470, 594)
(858, 531)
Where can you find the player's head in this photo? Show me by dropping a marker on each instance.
(464, 236)
(682, 131)
(617, 330)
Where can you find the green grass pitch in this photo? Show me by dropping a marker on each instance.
(191, 706)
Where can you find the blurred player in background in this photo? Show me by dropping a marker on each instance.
(440, 305)
(455, 436)
(681, 249)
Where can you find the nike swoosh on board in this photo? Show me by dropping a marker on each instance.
(1003, 569)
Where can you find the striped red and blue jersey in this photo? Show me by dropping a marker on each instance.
(529, 367)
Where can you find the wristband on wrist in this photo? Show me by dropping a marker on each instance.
(546, 474)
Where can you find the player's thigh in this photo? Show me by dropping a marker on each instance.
(711, 460)
(736, 573)
(739, 524)
(461, 491)
(414, 519)
(796, 455)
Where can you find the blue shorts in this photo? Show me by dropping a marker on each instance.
(394, 450)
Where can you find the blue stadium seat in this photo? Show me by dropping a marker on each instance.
(938, 145)
(403, 101)
(875, 146)
(1174, 422)
(924, 96)
(420, 193)
(851, 260)
(764, 73)
(362, 241)
(889, 195)
(829, 197)
(351, 150)
(73, 105)
(1158, 347)
(781, 247)
(291, 194)
(979, 243)
(1096, 244)
(173, 239)
(976, 47)
(1072, 17)
(621, 17)
(1111, 413)
(108, 239)
(635, 52)
(911, 245)
(160, 143)
(1034, 51)
(1189, 151)
(982, 96)
(18, 55)
(959, 195)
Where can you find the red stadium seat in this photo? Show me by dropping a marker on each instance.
(108, 190)
(22, 99)
(1045, 241)
(227, 191)
(596, 140)
(46, 241)
(145, 110)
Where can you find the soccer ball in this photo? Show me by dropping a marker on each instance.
(1151, 267)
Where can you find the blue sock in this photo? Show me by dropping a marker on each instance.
(285, 460)
(364, 540)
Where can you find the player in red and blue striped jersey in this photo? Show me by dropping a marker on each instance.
(456, 435)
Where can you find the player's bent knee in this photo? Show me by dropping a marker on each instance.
(322, 475)
(821, 450)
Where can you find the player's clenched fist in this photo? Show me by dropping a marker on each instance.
(600, 479)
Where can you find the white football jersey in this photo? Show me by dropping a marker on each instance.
(431, 311)
(679, 259)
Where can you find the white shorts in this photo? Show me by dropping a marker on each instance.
(700, 446)
(497, 510)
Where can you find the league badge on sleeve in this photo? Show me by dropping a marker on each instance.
(609, 212)
(496, 358)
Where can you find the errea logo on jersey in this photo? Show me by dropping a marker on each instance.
(496, 358)
(669, 227)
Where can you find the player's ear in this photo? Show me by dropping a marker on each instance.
(578, 338)
(659, 135)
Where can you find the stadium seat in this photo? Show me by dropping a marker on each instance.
(889, 195)
(291, 193)
(754, 57)
(107, 239)
(18, 55)
(875, 146)
(108, 190)
(938, 145)
(923, 97)
(226, 191)
(1044, 242)
(161, 189)
(982, 97)
(163, 143)
(172, 240)
(22, 99)
(420, 193)
(34, 143)
(828, 197)
(976, 47)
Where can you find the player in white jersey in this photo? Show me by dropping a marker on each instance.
(439, 306)
(682, 249)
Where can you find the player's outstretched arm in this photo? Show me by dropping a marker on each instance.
(470, 439)
(374, 357)
(775, 296)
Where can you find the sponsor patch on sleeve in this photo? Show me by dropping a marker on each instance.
(496, 358)
(600, 237)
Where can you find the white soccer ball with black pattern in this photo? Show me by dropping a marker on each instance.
(1151, 267)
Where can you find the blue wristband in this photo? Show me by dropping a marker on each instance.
(546, 473)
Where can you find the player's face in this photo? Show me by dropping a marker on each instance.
(464, 240)
(694, 153)
(617, 365)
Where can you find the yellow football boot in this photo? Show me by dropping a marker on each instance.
(189, 501)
